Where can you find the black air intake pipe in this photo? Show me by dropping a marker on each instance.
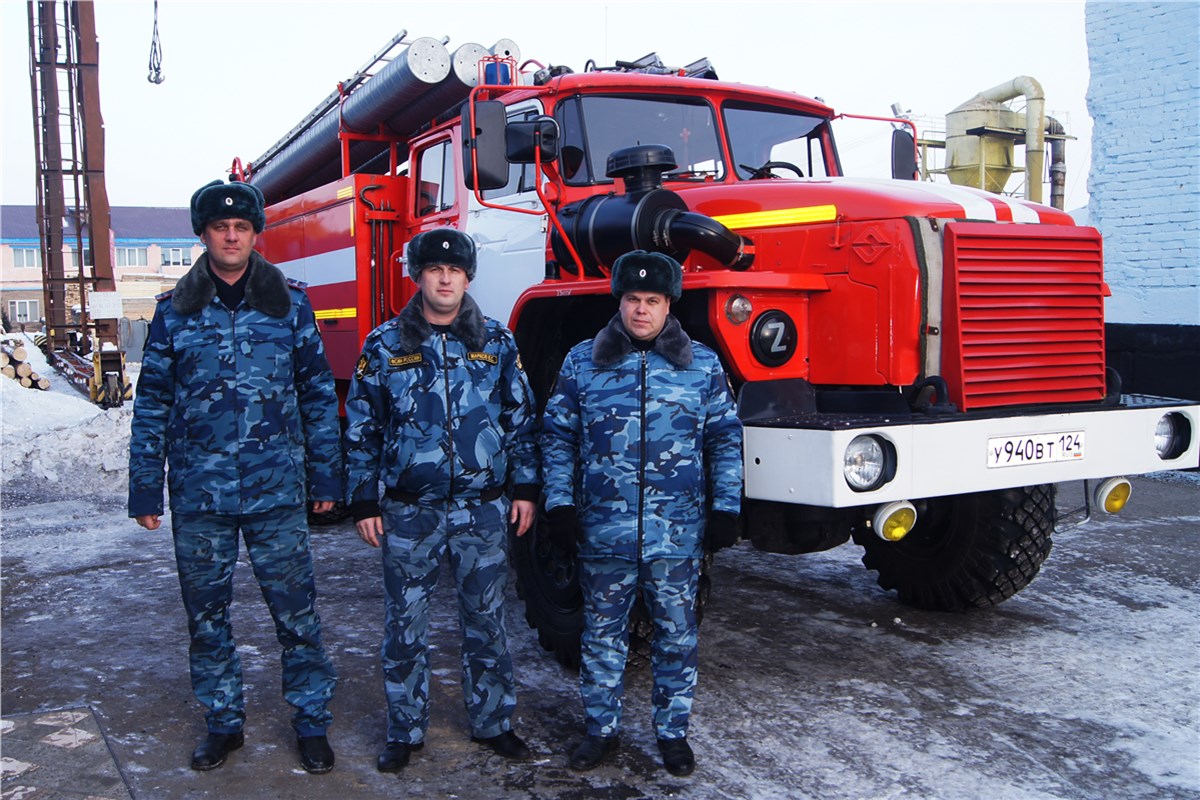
(646, 217)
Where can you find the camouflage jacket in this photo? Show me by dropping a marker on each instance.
(441, 415)
(239, 404)
(644, 444)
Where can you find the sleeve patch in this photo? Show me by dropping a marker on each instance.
(400, 362)
(361, 368)
(490, 358)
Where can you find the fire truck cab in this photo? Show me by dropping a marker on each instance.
(917, 365)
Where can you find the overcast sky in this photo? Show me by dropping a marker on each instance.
(239, 75)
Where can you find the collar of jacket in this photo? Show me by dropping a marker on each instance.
(613, 343)
(266, 288)
(469, 327)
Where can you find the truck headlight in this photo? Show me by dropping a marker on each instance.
(868, 463)
(1172, 435)
(738, 309)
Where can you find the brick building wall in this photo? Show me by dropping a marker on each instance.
(1144, 99)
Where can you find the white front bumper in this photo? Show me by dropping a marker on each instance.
(804, 465)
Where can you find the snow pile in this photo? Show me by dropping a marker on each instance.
(59, 439)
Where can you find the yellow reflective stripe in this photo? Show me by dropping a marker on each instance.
(336, 313)
(342, 194)
(782, 216)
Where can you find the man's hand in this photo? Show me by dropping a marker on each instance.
(523, 512)
(322, 506)
(149, 521)
(370, 529)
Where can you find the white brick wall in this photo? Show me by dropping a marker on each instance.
(1144, 98)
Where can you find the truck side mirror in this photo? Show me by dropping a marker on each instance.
(526, 138)
(904, 155)
(487, 142)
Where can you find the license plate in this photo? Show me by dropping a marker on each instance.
(1036, 448)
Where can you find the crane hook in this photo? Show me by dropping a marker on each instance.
(156, 74)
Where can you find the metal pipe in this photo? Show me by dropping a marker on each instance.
(405, 81)
(1035, 114)
(1058, 163)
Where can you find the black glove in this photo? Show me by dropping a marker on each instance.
(721, 531)
(564, 532)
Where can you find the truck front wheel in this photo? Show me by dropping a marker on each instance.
(548, 582)
(966, 551)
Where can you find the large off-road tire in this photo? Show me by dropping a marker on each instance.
(966, 551)
(548, 582)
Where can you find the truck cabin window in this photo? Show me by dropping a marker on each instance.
(435, 180)
(521, 178)
(596, 125)
(788, 141)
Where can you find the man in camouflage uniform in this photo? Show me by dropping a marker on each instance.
(643, 471)
(441, 411)
(237, 398)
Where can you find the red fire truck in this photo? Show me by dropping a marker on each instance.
(917, 365)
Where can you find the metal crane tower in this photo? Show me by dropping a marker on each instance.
(72, 201)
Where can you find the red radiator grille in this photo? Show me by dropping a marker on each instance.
(1023, 315)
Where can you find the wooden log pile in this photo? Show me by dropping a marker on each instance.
(13, 364)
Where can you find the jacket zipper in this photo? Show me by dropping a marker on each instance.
(642, 465)
(240, 412)
(449, 424)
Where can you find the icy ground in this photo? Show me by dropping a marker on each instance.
(814, 684)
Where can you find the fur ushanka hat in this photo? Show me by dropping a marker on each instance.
(219, 200)
(640, 271)
(441, 246)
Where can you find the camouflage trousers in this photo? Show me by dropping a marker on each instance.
(610, 587)
(476, 541)
(206, 551)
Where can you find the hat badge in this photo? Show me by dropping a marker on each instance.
(445, 245)
(641, 273)
(228, 201)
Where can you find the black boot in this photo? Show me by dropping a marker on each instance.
(395, 756)
(316, 756)
(212, 751)
(677, 756)
(506, 744)
(592, 751)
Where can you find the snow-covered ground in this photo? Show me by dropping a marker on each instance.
(814, 684)
(57, 439)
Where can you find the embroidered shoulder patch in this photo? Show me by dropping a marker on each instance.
(405, 361)
(488, 357)
(360, 369)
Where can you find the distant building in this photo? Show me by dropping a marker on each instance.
(152, 249)
(1144, 99)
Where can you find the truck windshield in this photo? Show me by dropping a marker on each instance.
(759, 135)
(596, 125)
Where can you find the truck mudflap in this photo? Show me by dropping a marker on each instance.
(800, 458)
